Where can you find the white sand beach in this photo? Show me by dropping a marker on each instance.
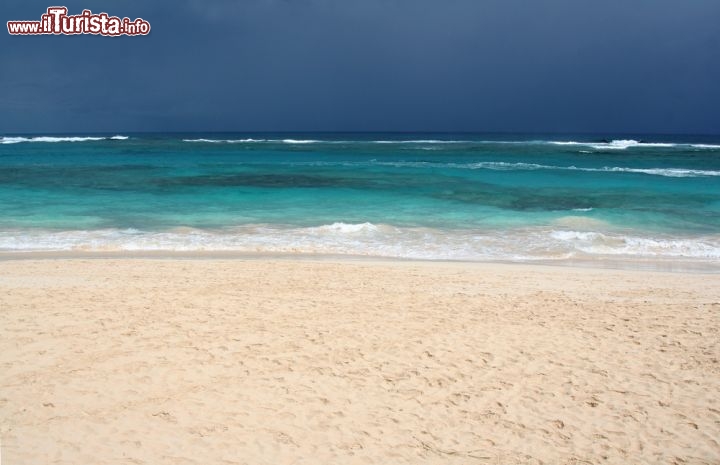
(272, 361)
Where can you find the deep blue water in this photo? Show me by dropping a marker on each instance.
(438, 196)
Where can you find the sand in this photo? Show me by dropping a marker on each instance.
(179, 361)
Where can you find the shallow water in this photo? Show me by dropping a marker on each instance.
(432, 196)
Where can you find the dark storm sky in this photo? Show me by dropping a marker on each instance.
(621, 66)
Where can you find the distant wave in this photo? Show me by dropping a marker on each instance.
(705, 146)
(506, 166)
(426, 141)
(225, 141)
(330, 141)
(17, 140)
(616, 144)
(622, 144)
(301, 141)
(248, 141)
(619, 144)
(669, 172)
(380, 240)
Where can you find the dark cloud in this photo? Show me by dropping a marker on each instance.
(334, 65)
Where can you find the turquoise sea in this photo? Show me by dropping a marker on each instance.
(429, 196)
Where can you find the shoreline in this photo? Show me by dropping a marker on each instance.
(668, 265)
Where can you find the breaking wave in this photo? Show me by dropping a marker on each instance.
(377, 240)
(18, 140)
(249, 141)
(619, 144)
(506, 166)
(622, 144)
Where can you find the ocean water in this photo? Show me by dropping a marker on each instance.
(428, 196)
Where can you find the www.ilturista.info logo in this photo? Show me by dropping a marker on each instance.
(57, 21)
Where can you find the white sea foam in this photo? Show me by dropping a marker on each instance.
(225, 141)
(425, 141)
(549, 243)
(331, 141)
(501, 165)
(669, 172)
(345, 228)
(119, 137)
(17, 140)
(300, 141)
(619, 144)
(597, 243)
(705, 146)
(250, 141)
(507, 166)
(622, 144)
